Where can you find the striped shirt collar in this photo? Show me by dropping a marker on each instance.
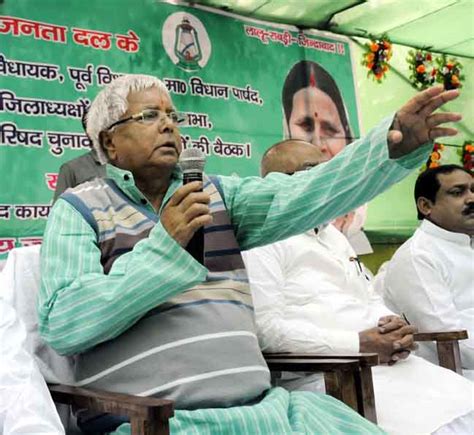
(125, 181)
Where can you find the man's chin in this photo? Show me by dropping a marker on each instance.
(164, 160)
(469, 218)
(467, 225)
(167, 159)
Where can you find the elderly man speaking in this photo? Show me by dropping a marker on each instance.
(120, 290)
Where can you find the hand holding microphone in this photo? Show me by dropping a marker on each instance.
(188, 209)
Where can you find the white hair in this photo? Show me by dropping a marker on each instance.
(111, 103)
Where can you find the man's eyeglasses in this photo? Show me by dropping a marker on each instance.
(149, 116)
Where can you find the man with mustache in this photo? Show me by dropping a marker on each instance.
(121, 292)
(431, 276)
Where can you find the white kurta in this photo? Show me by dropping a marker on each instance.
(431, 279)
(311, 295)
(25, 403)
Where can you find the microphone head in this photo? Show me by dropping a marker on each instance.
(192, 160)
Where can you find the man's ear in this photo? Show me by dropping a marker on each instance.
(424, 206)
(108, 145)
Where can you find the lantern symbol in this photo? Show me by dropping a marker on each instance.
(187, 47)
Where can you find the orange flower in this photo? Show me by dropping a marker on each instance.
(449, 66)
(470, 148)
(435, 155)
(386, 44)
(420, 69)
(434, 165)
(454, 79)
(374, 47)
(385, 68)
(379, 75)
(370, 65)
(370, 57)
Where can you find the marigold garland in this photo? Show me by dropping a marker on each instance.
(434, 158)
(376, 56)
(467, 156)
(422, 71)
(449, 72)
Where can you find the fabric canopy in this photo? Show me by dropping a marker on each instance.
(443, 26)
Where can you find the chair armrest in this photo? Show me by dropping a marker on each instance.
(364, 359)
(311, 365)
(447, 345)
(147, 412)
(348, 379)
(441, 336)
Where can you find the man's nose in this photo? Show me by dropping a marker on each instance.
(470, 197)
(166, 125)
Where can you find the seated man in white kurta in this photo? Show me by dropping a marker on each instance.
(431, 276)
(26, 406)
(311, 295)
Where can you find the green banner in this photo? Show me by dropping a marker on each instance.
(227, 73)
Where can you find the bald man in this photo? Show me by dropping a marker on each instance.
(279, 158)
(311, 294)
(290, 156)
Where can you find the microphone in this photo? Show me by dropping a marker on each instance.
(192, 161)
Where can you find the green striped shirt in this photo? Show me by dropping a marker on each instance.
(80, 307)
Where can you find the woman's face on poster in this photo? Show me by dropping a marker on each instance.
(315, 119)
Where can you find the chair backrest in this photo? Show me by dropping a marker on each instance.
(20, 286)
